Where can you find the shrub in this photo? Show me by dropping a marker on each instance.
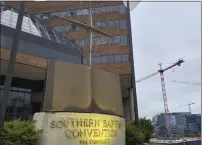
(141, 134)
(19, 132)
(147, 128)
(133, 135)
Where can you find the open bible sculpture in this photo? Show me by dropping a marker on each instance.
(76, 88)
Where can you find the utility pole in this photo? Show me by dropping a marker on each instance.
(11, 65)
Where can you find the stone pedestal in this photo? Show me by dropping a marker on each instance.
(65, 128)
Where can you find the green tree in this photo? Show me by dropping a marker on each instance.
(146, 127)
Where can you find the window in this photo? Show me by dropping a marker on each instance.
(97, 24)
(62, 14)
(85, 12)
(117, 58)
(110, 40)
(103, 59)
(123, 24)
(79, 12)
(103, 9)
(110, 58)
(96, 59)
(116, 39)
(52, 36)
(103, 40)
(122, 9)
(116, 23)
(85, 60)
(124, 40)
(78, 28)
(115, 8)
(73, 27)
(97, 10)
(125, 58)
(86, 42)
(109, 23)
(56, 13)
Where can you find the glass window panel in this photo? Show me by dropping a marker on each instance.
(104, 9)
(110, 24)
(103, 24)
(97, 10)
(115, 8)
(117, 58)
(73, 27)
(96, 59)
(57, 13)
(52, 15)
(78, 28)
(125, 57)
(79, 12)
(98, 41)
(122, 9)
(110, 40)
(21, 89)
(85, 11)
(105, 40)
(97, 24)
(86, 41)
(116, 23)
(123, 24)
(110, 58)
(85, 60)
(124, 40)
(110, 8)
(63, 14)
(103, 59)
(116, 39)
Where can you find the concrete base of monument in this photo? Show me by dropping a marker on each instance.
(68, 128)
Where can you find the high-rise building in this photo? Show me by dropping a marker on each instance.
(109, 53)
(183, 124)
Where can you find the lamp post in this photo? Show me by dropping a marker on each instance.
(11, 65)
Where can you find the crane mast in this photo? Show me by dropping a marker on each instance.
(165, 100)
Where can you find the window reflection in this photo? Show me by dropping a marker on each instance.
(119, 8)
(18, 98)
(108, 59)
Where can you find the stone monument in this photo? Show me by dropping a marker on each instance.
(81, 106)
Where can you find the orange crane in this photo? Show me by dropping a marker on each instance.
(161, 71)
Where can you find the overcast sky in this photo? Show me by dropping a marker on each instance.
(164, 32)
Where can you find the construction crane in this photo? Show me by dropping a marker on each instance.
(187, 83)
(189, 105)
(161, 71)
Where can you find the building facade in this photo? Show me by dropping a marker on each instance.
(109, 53)
(36, 46)
(183, 124)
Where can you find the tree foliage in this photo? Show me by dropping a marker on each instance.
(19, 133)
(141, 134)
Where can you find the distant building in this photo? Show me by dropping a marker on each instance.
(183, 124)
